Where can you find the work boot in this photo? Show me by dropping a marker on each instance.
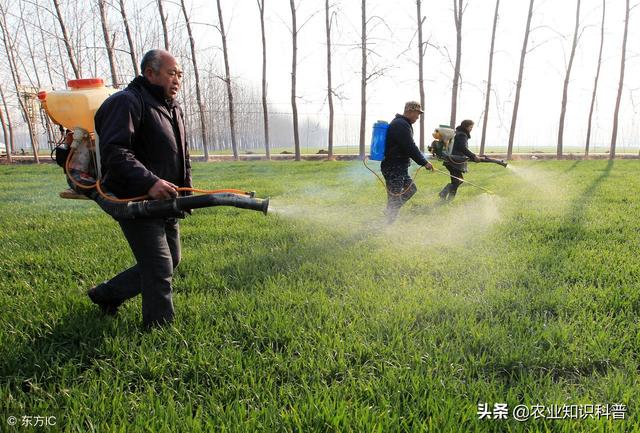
(109, 308)
(444, 193)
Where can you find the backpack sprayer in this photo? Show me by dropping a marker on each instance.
(78, 154)
(440, 148)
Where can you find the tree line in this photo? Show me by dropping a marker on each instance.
(47, 42)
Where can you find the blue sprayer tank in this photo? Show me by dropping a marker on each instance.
(378, 140)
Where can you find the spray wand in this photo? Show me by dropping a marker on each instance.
(364, 161)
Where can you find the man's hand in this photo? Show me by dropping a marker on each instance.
(477, 158)
(428, 166)
(162, 190)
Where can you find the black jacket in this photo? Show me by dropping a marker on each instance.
(400, 145)
(141, 140)
(460, 153)
(461, 143)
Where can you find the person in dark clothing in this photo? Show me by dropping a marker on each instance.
(400, 149)
(143, 151)
(456, 161)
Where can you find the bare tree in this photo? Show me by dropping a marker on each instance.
(294, 61)
(595, 83)
(327, 24)
(489, 76)
(13, 66)
(614, 133)
(32, 56)
(132, 49)
(227, 80)
(11, 147)
(203, 125)
(421, 51)
(458, 12)
(67, 41)
(363, 79)
(108, 44)
(516, 103)
(63, 65)
(4, 131)
(45, 50)
(265, 111)
(163, 20)
(565, 89)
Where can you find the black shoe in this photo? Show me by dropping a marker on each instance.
(109, 308)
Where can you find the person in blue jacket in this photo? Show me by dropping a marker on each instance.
(400, 149)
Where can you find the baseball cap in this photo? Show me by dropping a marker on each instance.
(413, 106)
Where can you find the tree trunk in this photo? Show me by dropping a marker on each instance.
(232, 123)
(63, 66)
(265, 111)
(44, 46)
(11, 145)
(523, 54)
(421, 69)
(595, 83)
(327, 24)
(4, 130)
(29, 48)
(108, 44)
(567, 77)
(294, 60)
(363, 79)
(616, 112)
(13, 66)
(489, 76)
(203, 126)
(67, 42)
(457, 16)
(132, 49)
(163, 20)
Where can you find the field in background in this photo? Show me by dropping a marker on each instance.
(319, 317)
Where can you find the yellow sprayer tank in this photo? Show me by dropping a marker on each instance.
(75, 108)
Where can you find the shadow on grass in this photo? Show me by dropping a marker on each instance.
(55, 353)
(571, 229)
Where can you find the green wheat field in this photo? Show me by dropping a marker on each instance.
(321, 318)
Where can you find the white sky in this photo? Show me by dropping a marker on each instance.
(541, 94)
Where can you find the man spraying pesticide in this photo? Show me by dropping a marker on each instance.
(137, 169)
(455, 155)
(394, 145)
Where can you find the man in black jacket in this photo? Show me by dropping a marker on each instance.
(143, 151)
(400, 149)
(456, 161)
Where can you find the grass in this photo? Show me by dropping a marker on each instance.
(319, 317)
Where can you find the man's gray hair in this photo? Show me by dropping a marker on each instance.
(152, 59)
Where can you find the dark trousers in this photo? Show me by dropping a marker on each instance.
(400, 188)
(450, 189)
(155, 243)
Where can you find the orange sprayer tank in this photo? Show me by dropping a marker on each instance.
(76, 107)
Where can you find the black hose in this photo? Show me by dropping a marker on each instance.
(176, 208)
(494, 161)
